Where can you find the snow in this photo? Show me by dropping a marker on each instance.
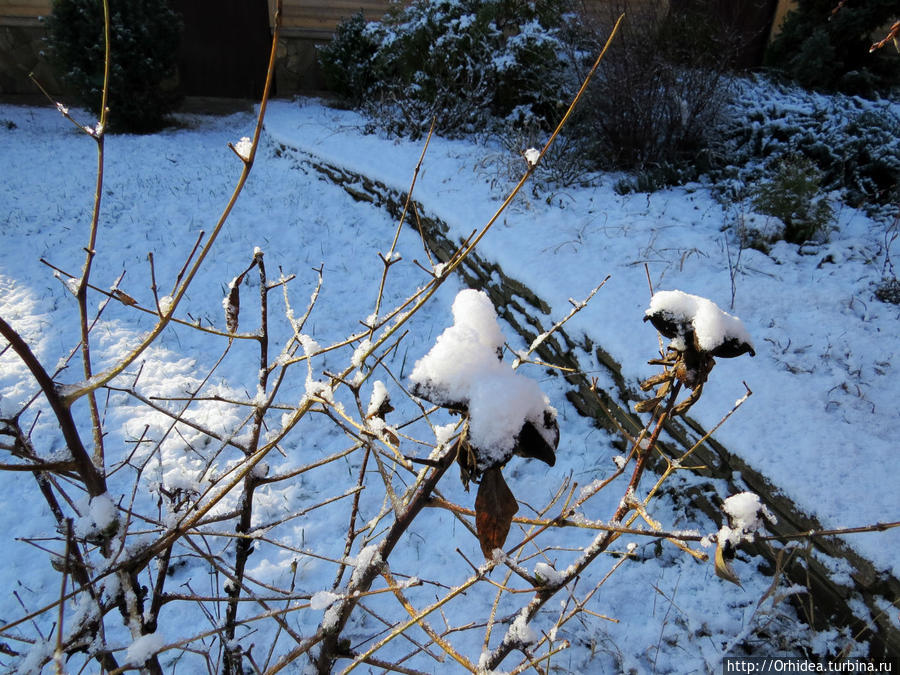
(547, 575)
(165, 304)
(464, 370)
(379, 397)
(243, 147)
(746, 515)
(323, 600)
(522, 632)
(144, 648)
(99, 516)
(809, 321)
(825, 380)
(711, 326)
(367, 558)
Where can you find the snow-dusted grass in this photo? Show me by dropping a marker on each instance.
(820, 425)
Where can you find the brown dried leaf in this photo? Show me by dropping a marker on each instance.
(123, 297)
(723, 568)
(495, 506)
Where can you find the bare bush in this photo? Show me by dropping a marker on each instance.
(657, 97)
(224, 473)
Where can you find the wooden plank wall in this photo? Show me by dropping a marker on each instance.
(318, 18)
(28, 10)
(315, 19)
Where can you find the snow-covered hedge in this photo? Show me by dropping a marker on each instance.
(854, 142)
(460, 62)
(144, 39)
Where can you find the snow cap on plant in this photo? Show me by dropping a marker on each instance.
(746, 514)
(694, 322)
(507, 412)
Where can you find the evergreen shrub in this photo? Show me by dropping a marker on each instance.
(828, 49)
(464, 63)
(793, 195)
(144, 39)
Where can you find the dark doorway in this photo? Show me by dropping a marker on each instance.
(751, 21)
(224, 48)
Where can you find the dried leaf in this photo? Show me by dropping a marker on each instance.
(723, 566)
(495, 506)
(536, 443)
(123, 297)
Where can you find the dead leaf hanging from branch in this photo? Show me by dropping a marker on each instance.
(495, 506)
(232, 302)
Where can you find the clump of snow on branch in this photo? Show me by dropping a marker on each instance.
(71, 283)
(464, 370)
(367, 557)
(143, 648)
(746, 515)
(243, 147)
(359, 354)
(711, 326)
(165, 304)
(471, 346)
(379, 397)
(100, 516)
(548, 576)
(323, 600)
(521, 632)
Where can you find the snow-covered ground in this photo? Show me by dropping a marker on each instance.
(824, 380)
(821, 422)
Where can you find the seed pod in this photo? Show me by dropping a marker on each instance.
(696, 323)
(731, 348)
(232, 304)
